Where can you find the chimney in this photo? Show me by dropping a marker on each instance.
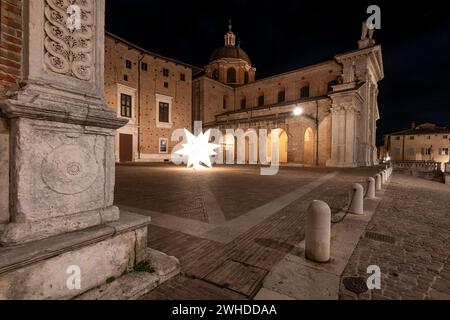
(413, 125)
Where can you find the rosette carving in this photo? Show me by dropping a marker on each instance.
(69, 52)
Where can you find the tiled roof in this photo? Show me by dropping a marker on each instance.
(423, 129)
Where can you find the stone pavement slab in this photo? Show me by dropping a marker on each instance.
(415, 214)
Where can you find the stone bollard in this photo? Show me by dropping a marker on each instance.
(383, 177)
(356, 199)
(371, 188)
(378, 182)
(318, 232)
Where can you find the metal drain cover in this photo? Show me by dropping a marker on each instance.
(355, 285)
(380, 237)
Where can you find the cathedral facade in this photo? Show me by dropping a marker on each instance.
(327, 112)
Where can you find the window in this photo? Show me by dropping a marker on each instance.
(246, 77)
(182, 77)
(144, 66)
(231, 75)
(165, 72)
(331, 84)
(412, 138)
(166, 84)
(215, 74)
(281, 96)
(163, 145)
(397, 138)
(444, 151)
(243, 103)
(128, 64)
(125, 105)
(224, 103)
(164, 112)
(427, 151)
(412, 152)
(125, 77)
(261, 101)
(397, 152)
(304, 92)
(445, 137)
(429, 138)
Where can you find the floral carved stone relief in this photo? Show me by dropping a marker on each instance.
(69, 52)
(69, 170)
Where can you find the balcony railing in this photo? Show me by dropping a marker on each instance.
(422, 166)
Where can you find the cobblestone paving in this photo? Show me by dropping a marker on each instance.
(237, 190)
(416, 213)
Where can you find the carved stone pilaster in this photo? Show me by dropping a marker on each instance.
(62, 176)
(67, 51)
(62, 169)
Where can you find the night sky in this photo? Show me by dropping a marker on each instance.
(282, 35)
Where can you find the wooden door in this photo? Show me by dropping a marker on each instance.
(126, 148)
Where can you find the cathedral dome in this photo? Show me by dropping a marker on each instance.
(230, 64)
(230, 51)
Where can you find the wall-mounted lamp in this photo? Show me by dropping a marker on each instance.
(298, 111)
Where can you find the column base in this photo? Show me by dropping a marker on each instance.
(46, 269)
(20, 233)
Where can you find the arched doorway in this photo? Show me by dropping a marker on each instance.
(308, 147)
(282, 145)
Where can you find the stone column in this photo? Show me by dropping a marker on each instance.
(344, 130)
(61, 223)
(4, 173)
(62, 176)
(362, 70)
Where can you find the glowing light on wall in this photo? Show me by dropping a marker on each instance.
(298, 112)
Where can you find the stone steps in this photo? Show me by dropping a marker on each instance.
(134, 285)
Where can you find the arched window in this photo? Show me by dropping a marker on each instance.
(225, 102)
(304, 92)
(281, 96)
(231, 75)
(246, 77)
(215, 74)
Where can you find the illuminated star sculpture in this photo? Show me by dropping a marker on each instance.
(198, 149)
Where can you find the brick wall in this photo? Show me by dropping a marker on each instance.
(10, 44)
(10, 73)
(153, 83)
